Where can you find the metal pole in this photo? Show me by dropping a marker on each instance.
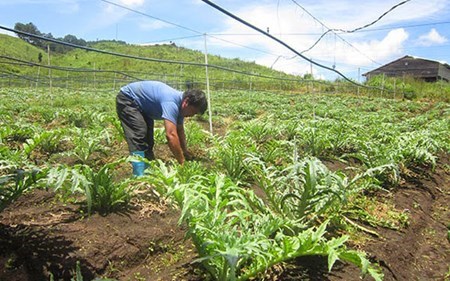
(207, 87)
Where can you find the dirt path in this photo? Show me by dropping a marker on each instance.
(422, 250)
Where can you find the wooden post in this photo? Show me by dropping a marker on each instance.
(403, 86)
(395, 80)
(67, 82)
(94, 77)
(359, 79)
(207, 88)
(49, 70)
(37, 79)
(114, 82)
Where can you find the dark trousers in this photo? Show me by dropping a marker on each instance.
(138, 129)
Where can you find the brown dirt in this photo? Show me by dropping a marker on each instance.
(39, 235)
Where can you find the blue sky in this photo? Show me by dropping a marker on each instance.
(419, 28)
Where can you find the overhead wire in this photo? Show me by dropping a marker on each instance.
(190, 29)
(403, 26)
(326, 32)
(277, 56)
(320, 33)
(375, 21)
(222, 10)
(172, 39)
(333, 30)
(150, 16)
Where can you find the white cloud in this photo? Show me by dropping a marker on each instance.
(132, 3)
(300, 31)
(378, 50)
(152, 25)
(111, 14)
(344, 58)
(431, 38)
(346, 14)
(68, 7)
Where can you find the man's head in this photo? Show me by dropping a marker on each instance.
(194, 102)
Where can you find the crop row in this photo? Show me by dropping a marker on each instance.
(276, 145)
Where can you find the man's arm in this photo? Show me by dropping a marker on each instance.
(183, 143)
(175, 143)
(182, 138)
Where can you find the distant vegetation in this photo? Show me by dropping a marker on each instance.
(81, 58)
(54, 47)
(81, 65)
(40, 43)
(82, 69)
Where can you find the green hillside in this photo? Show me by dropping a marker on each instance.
(25, 65)
(19, 49)
(132, 68)
(82, 58)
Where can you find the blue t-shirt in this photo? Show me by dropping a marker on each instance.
(156, 100)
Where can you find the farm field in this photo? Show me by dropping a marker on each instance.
(288, 187)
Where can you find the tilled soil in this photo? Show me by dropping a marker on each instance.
(40, 236)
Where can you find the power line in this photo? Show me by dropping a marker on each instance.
(375, 21)
(277, 40)
(330, 30)
(217, 38)
(172, 39)
(403, 26)
(183, 27)
(346, 31)
(190, 29)
(317, 33)
(150, 16)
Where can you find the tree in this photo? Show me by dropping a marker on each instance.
(31, 29)
(72, 39)
(308, 76)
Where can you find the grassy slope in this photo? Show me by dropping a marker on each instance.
(141, 69)
(77, 58)
(19, 49)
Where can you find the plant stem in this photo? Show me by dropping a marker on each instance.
(361, 227)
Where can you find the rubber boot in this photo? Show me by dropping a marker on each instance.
(138, 166)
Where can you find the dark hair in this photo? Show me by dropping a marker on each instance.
(197, 99)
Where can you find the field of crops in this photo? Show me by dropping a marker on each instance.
(288, 187)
